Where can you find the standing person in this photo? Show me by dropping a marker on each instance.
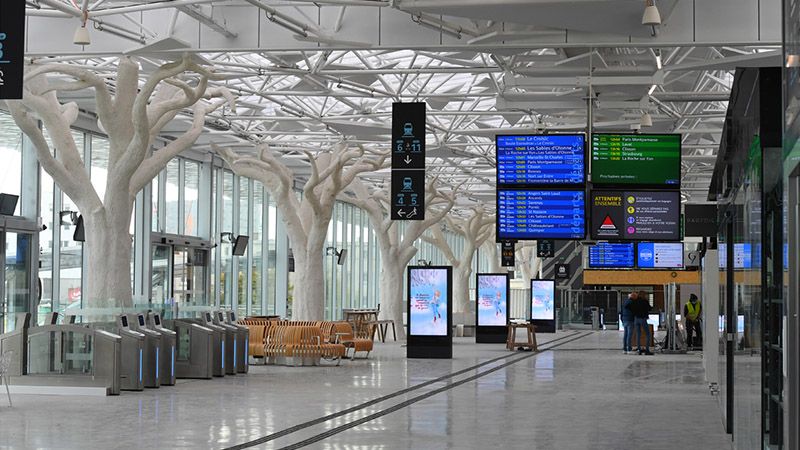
(691, 313)
(626, 317)
(641, 308)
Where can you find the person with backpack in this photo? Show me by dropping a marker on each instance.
(626, 317)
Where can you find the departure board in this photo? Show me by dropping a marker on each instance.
(528, 160)
(635, 215)
(641, 159)
(540, 214)
(660, 255)
(611, 255)
(742, 256)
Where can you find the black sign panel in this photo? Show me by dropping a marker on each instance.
(562, 271)
(636, 215)
(12, 40)
(408, 161)
(545, 248)
(408, 194)
(408, 135)
(700, 220)
(507, 254)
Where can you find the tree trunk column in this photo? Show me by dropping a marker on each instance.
(108, 249)
(392, 296)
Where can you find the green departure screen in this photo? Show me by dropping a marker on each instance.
(643, 159)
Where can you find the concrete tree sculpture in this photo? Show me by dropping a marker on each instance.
(396, 242)
(132, 114)
(306, 219)
(491, 247)
(475, 229)
(527, 261)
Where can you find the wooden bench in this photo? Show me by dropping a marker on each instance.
(303, 343)
(344, 331)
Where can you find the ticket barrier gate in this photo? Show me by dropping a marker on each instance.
(197, 349)
(232, 343)
(167, 351)
(242, 363)
(223, 362)
(152, 354)
(133, 347)
(63, 356)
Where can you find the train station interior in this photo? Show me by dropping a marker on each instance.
(400, 224)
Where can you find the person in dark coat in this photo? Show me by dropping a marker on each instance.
(626, 317)
(641, 310)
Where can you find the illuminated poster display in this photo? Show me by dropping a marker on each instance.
(543, 294)
(492, 299)
(428, 299)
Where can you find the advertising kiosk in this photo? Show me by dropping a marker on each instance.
(430, 312)
(543, 305)
(493, 291)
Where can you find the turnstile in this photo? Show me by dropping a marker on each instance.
(218, 344)
(133, 345)
(231, 342)
(151, 357)
(242, 362)
(168, 343)
(195, 349)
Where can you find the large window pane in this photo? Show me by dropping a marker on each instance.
(244, 208)
(11, 157)
(256, 242)
(191, 194)
(172, 196)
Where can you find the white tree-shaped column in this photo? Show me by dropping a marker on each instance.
(397, 245)
(475, 230)
(132, 116)
(306, 219)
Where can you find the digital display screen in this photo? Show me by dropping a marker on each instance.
(233, 316)
(157, 319)
(543, 294)
(611, 255)
(220, 316)
(428, 292)
(654, 320)
(739, 324)
(636, 215)
(660, 255)
(742, 256)
(492, 298)
(540, 214)
(141, 320)
(208, 317)
(644, 159)
(540, 159)
(124, 321)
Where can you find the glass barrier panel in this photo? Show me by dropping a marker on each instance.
(77, 353)
(44, 353)
(184, 343)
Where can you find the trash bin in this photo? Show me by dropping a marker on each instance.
(460, 330)
(595, 317)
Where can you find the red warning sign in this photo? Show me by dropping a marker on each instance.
(608, 224)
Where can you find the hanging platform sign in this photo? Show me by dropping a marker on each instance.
(408, 161)
(12, 51)
(507, 255)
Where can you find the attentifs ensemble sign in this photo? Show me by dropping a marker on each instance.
(12, 52)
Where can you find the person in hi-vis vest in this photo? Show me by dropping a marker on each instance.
(691, 314)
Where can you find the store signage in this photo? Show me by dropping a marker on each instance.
(408, 161)
(12, 52)
(700, 220)
(545, 248)
(507, 254)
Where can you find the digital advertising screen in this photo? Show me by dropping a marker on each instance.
(641, 159)
(492, 297)
(611, 255)
(543, 294)
(540, 214)
(635, 215)
(428, 292)
(524, 160)
(659, 255)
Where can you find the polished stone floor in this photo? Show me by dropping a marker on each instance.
(582, 394)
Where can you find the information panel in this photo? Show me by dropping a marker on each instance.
(636, 215)
(540, 214)
(611, 255)
(543, 294)
(428, 301)
(643, 159)
(525, 160)
(492, 298)
(408, 161)
(742, 256)
(660, 255)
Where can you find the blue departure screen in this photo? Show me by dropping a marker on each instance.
(742, 256)
(606, 254)
(541, 214)
(540, 159)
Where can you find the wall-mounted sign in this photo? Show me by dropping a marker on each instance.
(700, 220)
(545, 248)
(507, 254)
(12, 51)
(636, 215)
(562, 271)
(408, 161)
